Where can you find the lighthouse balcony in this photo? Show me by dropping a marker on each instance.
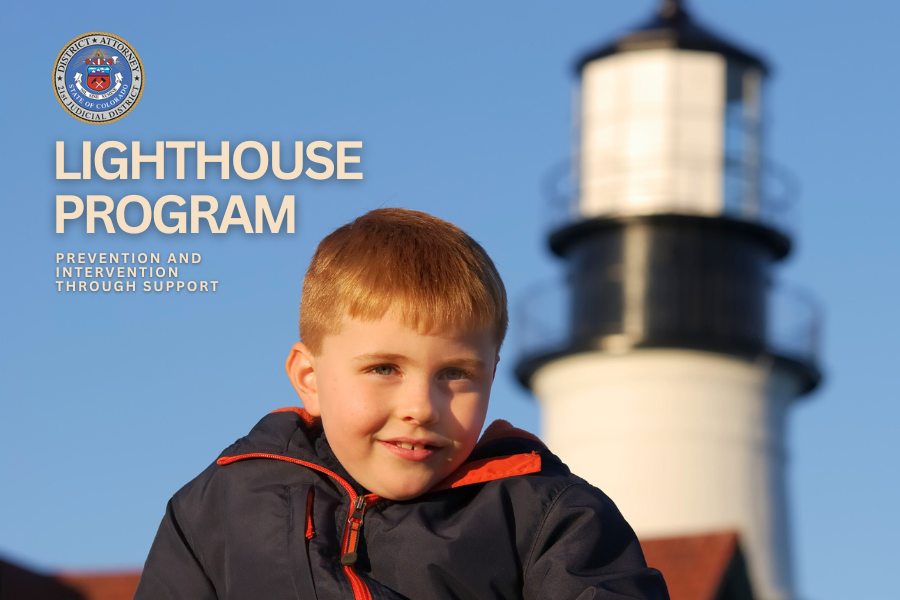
(619, 314)
(758, 195)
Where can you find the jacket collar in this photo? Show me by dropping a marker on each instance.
(502, 451)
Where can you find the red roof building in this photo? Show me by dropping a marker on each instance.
(702, 567)
(17, 583)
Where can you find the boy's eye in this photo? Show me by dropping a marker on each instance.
(454, 374)
(383, 370)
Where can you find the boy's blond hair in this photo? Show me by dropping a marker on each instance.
(431, 271)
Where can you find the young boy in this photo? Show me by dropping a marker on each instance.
(381, 488)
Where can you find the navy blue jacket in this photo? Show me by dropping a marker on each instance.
(276, 518)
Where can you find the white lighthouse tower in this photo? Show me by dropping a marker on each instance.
(666, 362)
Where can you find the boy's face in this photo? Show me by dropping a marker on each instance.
(401, 409)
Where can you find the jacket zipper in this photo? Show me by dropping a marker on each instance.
(351, 541)
(358, 506)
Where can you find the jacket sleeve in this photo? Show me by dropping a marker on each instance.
(172, 570)
(586, 550)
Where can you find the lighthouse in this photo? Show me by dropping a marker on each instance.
(667, 359)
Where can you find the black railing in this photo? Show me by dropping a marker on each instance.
(762, 194)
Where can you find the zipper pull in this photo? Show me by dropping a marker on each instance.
(359, 507)
(354, 522)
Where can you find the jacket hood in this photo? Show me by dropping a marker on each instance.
(287, 431)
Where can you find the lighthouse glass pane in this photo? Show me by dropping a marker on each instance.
(742, 143)
(652, 134)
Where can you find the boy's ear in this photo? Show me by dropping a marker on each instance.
(301, 370)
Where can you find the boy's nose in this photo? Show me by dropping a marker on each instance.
(419, 404)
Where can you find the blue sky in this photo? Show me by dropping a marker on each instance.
(108, 404)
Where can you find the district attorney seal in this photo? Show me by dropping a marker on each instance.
(98, 78)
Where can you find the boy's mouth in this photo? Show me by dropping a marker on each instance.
(410, 449)
(410, 446)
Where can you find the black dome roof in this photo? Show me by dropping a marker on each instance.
(673, 27)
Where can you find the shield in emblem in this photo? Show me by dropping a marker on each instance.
(98, 78)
